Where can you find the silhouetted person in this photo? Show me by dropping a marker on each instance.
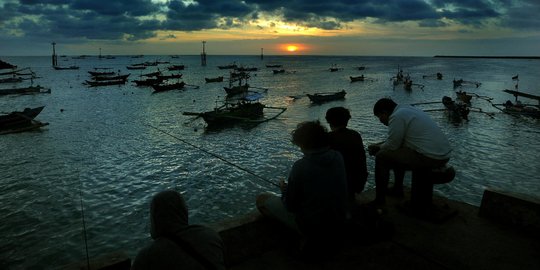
(349, 143)
(414, 141)
(314, 200)
(178, 245)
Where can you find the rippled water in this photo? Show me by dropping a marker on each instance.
(104, 148)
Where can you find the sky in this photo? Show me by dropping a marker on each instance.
(277, 27)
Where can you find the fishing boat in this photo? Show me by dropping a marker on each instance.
(274, 66)
(437, 76)
(247, 109)
(20, 121)
(461, 82)
(111, 78)
(101, 73)
(357, 78)
(176, 67)
(217, 79)
(148, 82)
(517, 108)
(25, 90)
(464, 96)
(66, 68)
(229, 66)
(334, 68)
(170, 76)
(6, 65)
(244, 69)
(167, 87)
(278, 71)
(456, 110)
(325, 97)
(105, 83)
(242, 86)
(136, 67)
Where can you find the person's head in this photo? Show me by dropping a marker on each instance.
(338, 117)
(310, 135)
(168, 213)
(383, 108)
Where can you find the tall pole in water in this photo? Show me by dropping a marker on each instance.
(203, 54)
(262, 54)
(54, 59)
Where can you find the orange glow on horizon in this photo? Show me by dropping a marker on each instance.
(292, 48)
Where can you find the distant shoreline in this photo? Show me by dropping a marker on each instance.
(503, 57)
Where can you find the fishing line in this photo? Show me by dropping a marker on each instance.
(84, 224)
(214, 155)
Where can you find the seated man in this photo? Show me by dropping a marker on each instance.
(414, 142)
(314, 200)
(178, 245)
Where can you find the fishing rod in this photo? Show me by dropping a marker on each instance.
(214, 155)
(84, 225)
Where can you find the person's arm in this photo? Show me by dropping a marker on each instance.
(396, 133)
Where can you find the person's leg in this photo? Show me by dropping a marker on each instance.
(270, 205)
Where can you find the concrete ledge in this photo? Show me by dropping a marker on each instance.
(516, 210)
(110, 261)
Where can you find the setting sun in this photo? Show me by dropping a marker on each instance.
(292, 48)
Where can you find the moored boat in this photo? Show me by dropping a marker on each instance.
(20, 121)
(217, 79)
(104, 83)
(324, 97)
(25, 90)
(167, 87)
(357, 78)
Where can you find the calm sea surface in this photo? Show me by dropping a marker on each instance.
(101, 144)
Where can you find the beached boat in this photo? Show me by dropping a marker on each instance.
(357, 78)
(167, 87)
(217, 79)
(105, 83)
(324, 97)
(66, 68)
(20, 121)
(247, 109)
(25, 90)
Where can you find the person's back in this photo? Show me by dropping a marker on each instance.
(178, 245)
(349, 143)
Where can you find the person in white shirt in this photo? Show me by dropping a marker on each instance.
(414, 141)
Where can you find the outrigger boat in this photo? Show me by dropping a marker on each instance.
(456, 110)
(20, 121)
(25, 90)
(167, 87)
(357, 78)
(324, 97)
(517, 108)
(217, 79)
(247, 109)
(242, 87)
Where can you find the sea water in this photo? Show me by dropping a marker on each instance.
(108, 150)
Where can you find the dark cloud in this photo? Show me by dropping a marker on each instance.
(140, 19)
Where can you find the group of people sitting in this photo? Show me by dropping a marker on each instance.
(318, 196)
